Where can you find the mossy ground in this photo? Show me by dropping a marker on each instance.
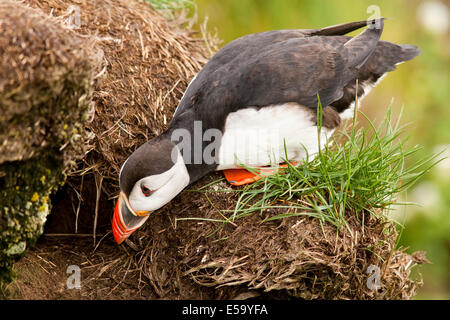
(25, 189)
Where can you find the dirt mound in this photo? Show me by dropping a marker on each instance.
(177, 256)
(46, 75)
(46, 80)
(296, 257)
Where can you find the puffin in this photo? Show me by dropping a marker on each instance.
(255, 104)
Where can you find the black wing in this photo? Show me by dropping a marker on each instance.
(293, 70)
(237, 52)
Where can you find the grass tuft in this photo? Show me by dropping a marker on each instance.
(362, 171)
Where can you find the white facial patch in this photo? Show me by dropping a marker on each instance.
(164, 186)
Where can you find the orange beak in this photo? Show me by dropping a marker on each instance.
(125, 221)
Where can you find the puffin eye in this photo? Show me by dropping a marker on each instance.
(146, 191)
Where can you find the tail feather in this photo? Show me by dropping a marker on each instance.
(409, 52)
(360, 48)
(384, 59)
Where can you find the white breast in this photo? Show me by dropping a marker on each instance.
(257, 137)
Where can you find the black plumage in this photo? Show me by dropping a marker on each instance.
(283, 66)
(289, 66)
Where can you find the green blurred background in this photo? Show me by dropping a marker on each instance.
(421, 86)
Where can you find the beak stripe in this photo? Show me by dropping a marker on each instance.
(119, 227)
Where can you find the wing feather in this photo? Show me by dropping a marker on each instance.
(276, 67)
(237, 52)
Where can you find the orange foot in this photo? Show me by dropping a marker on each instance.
(239, 177)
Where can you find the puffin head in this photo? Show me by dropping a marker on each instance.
(152, 176)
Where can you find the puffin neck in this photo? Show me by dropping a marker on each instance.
(187, 148)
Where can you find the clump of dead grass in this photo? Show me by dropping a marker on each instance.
(293, 257)
(46, 76)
